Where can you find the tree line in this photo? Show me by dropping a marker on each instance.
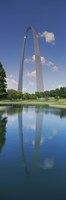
(57, 93)
(13, 94)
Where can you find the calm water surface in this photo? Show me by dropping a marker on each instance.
(32, 153)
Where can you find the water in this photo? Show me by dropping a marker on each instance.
(32, 153)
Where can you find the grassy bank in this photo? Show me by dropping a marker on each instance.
(49, 102)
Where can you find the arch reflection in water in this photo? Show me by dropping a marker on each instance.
(38, 133)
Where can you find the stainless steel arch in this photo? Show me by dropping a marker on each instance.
(39, 77)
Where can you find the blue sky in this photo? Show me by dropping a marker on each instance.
(48, 17)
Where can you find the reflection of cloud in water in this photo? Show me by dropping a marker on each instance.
(29, 114)
(52, 134)
(30, 126)
(28, 140)
(41, 141)
(48, 164)
(12, 119)
(48, 136)
(55, 132)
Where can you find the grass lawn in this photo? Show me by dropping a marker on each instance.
(49, 102)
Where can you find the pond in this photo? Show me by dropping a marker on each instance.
(32, 153)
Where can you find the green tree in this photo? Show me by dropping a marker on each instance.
(26, 96)
(38, 95)
(13, 94)
(63, 92)
(3, 85)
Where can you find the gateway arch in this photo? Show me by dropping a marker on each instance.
(39, 77)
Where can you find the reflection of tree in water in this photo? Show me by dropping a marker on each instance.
(14, 110)
(3, 122)
(55, 111)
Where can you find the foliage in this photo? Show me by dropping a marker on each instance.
(3, 84)
(57, 93)
(13, 94)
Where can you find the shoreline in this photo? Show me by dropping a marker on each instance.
(31, 103)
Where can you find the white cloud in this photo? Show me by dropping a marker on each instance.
(33, 74)
(12, 76)
(49, 63)
(55, 69)
(32, 60)
(11, 82)
(24, 90)
(39, 34)
(59, 86)
(31, 83)
(49, 36)
(43, 60)
(28, 60)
